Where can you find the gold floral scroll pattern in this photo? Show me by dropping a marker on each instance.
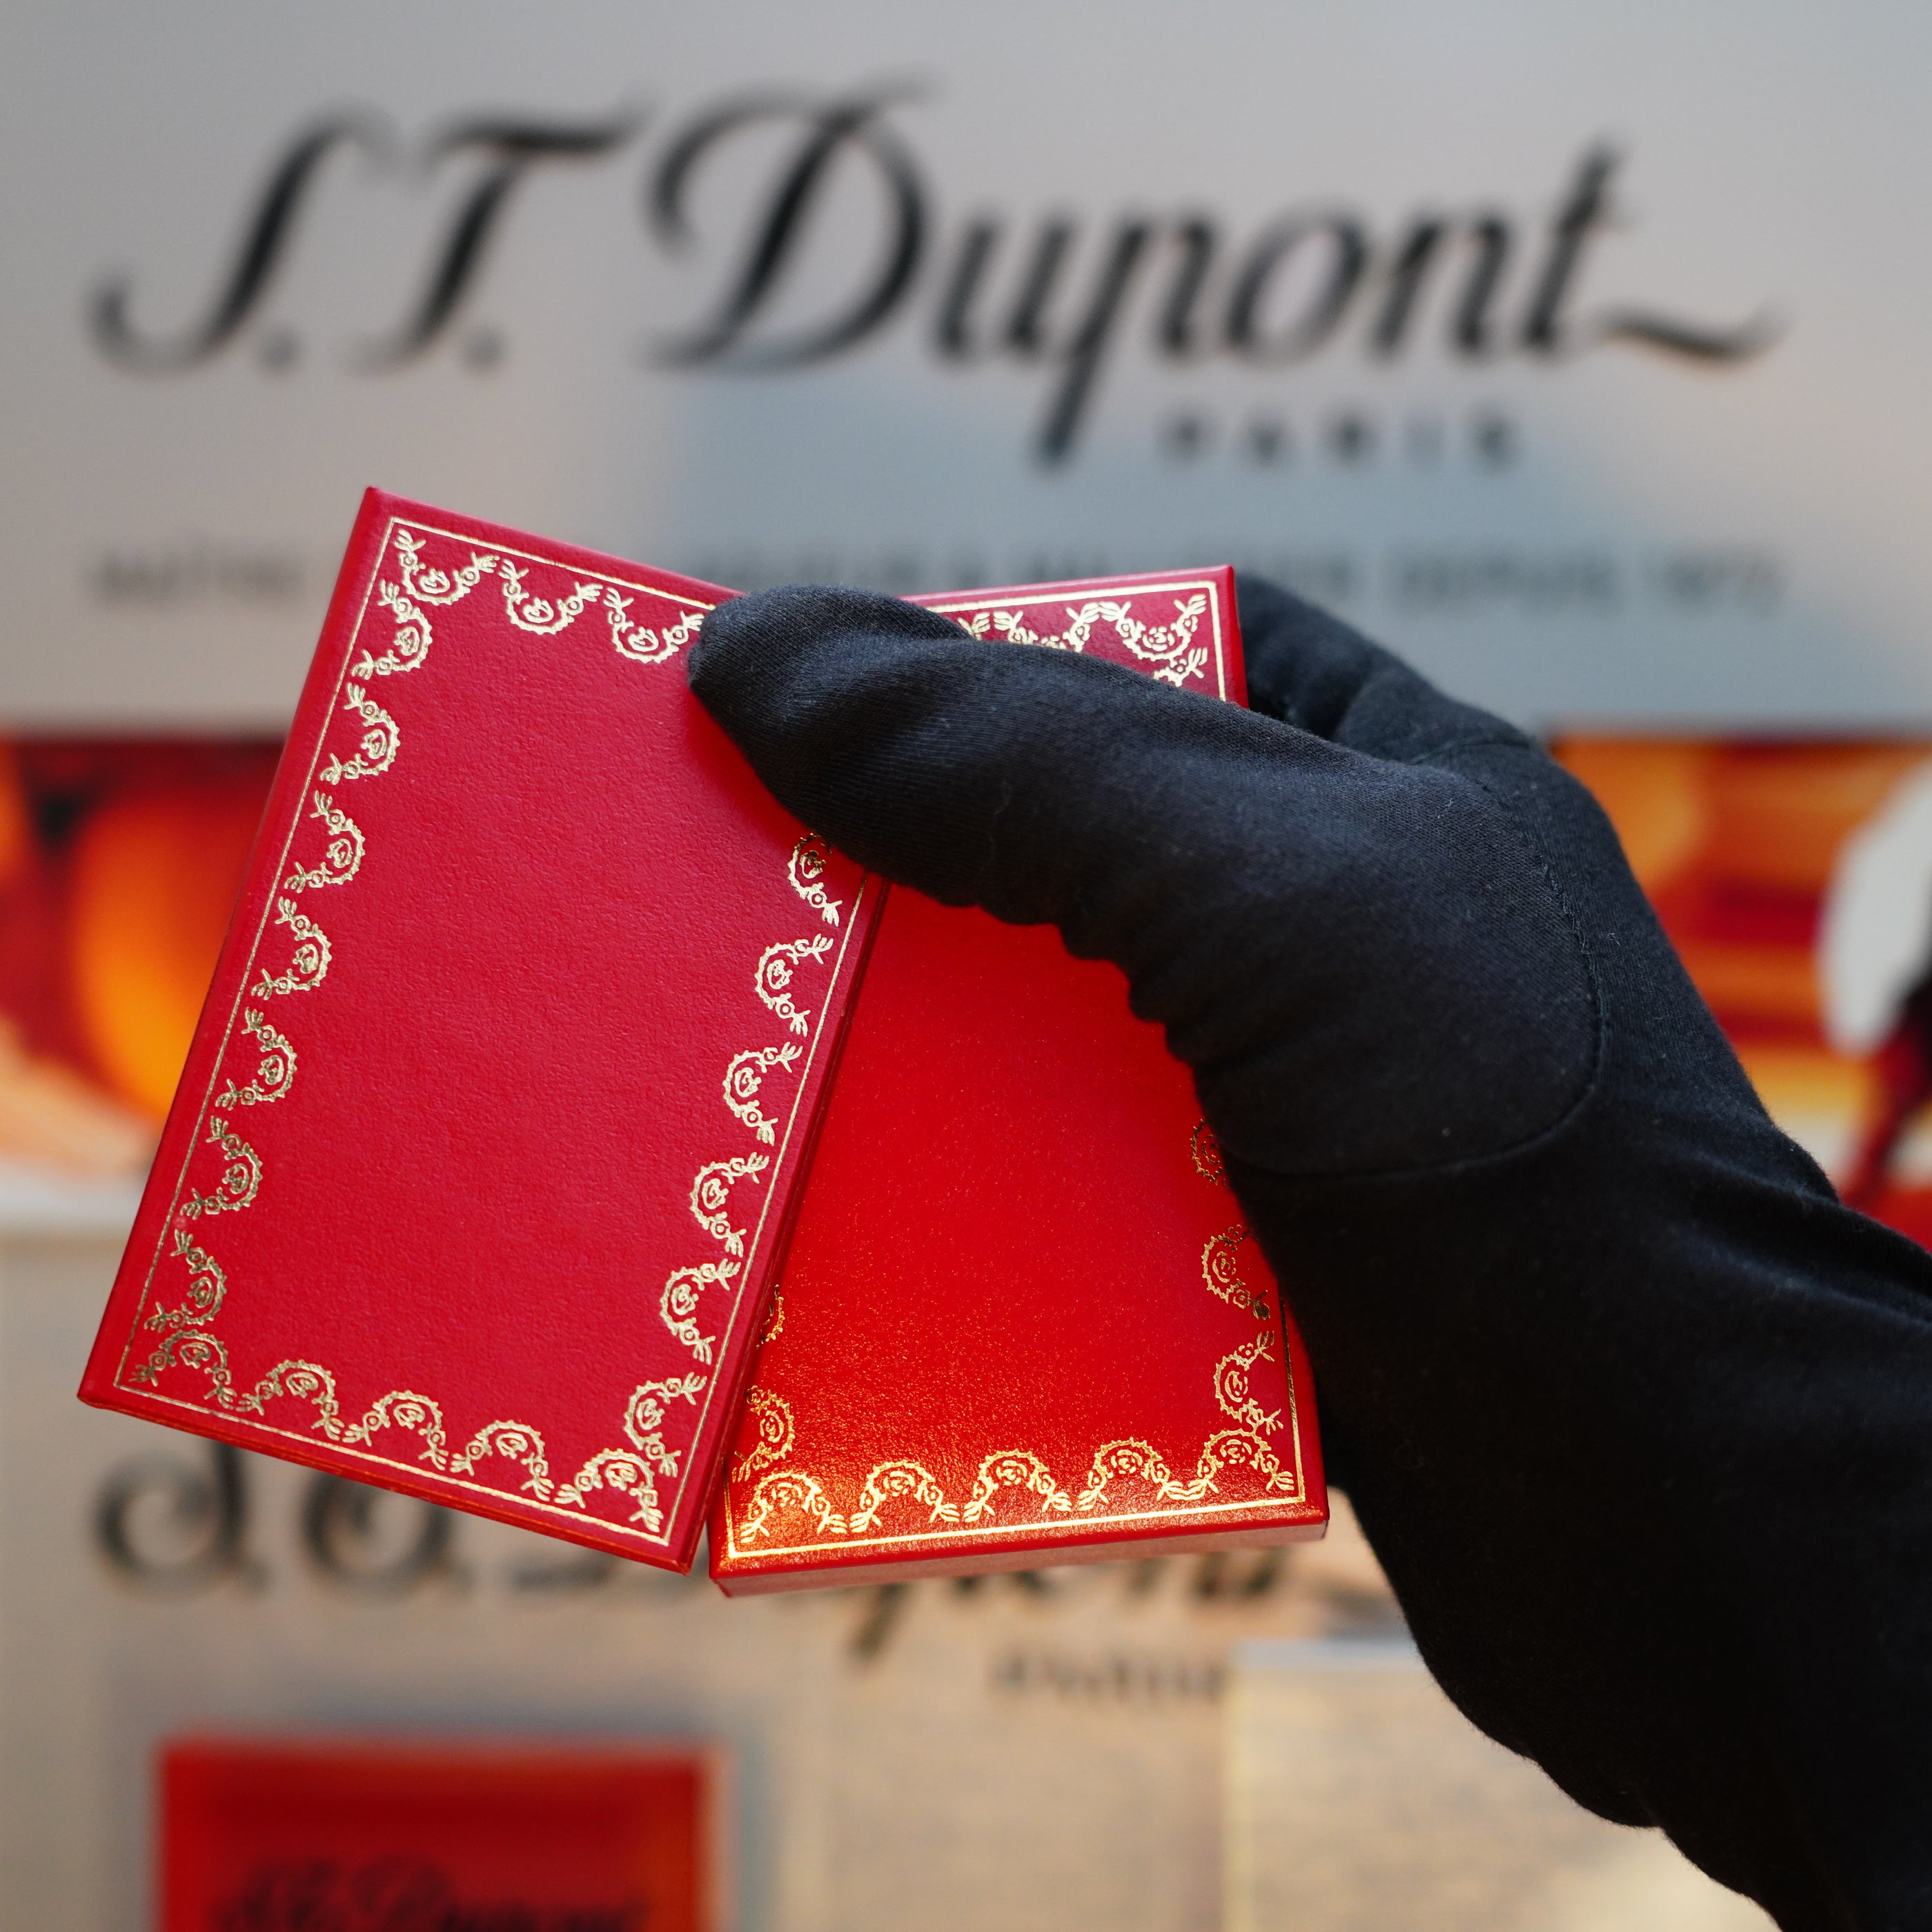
(1014, 1468)
(786, 1490)
(889, 1481)
(341, 858)
(711, 1197)
(432, 586)
(777, 965)
(544, 616)
(275, 1071)
(644, 1414)
(308, 965)
(410, 646)
(745, 1077)
(1220, 1259)
(678, 1304)
(241, 1177)
(626, 1471)
(774, 1320)
(1232, 1389)
(783, 1493)
(187, 1342)
(377, 750)
(643, 646)
(1131, 1460)
(771, 1416)
(418, 587)
(1221, 1268)
(633, 1472)
(1168, 650)
(206, 1286)
(806, 871)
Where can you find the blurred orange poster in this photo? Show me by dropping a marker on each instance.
(1795, 878)
(119, 861)
(302, 1836)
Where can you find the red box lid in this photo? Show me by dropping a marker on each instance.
(1020, 1321)
(271, 1836)
(477, 1174)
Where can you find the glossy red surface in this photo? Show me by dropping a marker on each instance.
(1019, 1321)
(299, 1835)
(525, 964)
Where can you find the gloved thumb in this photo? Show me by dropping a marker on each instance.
(1311, 924)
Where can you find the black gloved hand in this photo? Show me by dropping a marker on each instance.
(1638, 1419)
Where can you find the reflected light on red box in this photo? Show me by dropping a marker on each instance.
(266, 1836)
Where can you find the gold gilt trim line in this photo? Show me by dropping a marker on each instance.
(963, 609)
(1053, 1530)
(1167, 652)
(800, 1493)
(188, 1340)
(1125, 1459)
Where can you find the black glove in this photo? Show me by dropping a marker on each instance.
(1638, 1419)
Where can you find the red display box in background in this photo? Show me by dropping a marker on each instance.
(266, 1836)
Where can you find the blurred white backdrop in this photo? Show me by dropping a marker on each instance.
(1575, 352)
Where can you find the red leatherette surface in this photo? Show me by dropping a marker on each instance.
(1020, 1320)
(475, 1179)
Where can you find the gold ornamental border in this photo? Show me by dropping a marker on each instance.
(1159, 651)
(948, 1523)
(1095, 605)
(187, 1336)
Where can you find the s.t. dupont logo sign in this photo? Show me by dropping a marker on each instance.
(1062, 292)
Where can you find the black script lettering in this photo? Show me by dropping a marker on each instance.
(1220, 1577)
(830, 131)
(198, 571)
(1085, 347)
(263, 248)
(1028, 333)
(1470, 329)
(1349, 255)
(510, 149)
(1026, 327)
(952, 334)
(348, 1545)
(1427, 242)
(168, 1527)
(885, 1605)
(1174, 333)
(398, 1892)
(1405, 278)
(1585, 210)
(1737, 343)
(567, 1571)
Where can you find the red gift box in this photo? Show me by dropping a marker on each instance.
(477, 1174)
(294, 1836)
(1020, 1322)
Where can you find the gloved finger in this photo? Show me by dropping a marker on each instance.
(1278, 902)
(1311, 670)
